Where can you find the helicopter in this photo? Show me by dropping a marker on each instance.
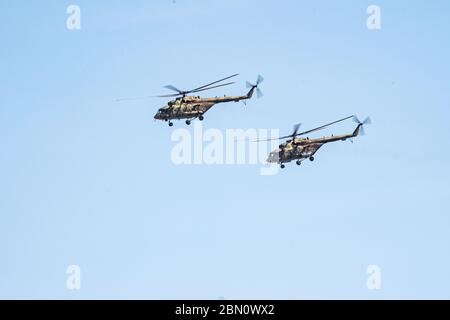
(191, 107)
(188, 106)
(299, 149)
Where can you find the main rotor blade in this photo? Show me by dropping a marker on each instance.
(311, 130)
(171, 87)
(267, 139)
(218, 86)
(182, 93)
(169, 95)
(135, 98)
(296, 127)
(209, 84)
(293, 135)
(324, 126)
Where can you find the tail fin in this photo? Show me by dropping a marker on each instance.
(356, 132)
(250, 92)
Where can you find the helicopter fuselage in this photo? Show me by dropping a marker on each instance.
(303, 148)
(190, 107)
(290, 151)
(183, 109)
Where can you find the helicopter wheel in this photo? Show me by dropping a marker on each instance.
(188, 122)
(282, 166)
(166, 120)
(298, 162)
(311, 158)
(170, 124)
(201, 118)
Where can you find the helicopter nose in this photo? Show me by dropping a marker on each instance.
(272, 158)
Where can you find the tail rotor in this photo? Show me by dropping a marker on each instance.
(251, 86)
(361, 124)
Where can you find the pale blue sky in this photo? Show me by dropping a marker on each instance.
(88, 181)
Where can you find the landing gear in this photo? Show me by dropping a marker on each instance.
(282, 166)
(298, 162)
(311, 158)
(201, 118)
(170, 124)
(188, 122)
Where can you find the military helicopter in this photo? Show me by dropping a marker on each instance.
(187, 106)
(191, 107)
(300, 149)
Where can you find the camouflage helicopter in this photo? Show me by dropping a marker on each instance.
(187, 106)
(300, 149)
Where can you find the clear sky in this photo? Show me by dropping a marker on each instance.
(87, 181)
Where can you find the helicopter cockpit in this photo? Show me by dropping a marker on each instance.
(273, 157)
(163, 112)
